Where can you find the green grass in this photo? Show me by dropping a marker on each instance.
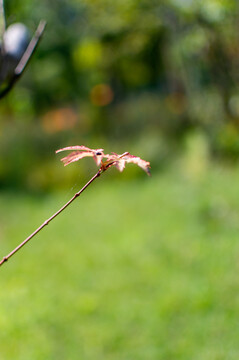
(140, 270)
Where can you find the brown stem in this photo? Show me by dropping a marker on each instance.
(5, 258)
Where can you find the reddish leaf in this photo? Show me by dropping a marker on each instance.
(119, 161)
(119, 164)
(75, 156)
(84, 151)
(145, 165)
(114, 159)
(76, 147)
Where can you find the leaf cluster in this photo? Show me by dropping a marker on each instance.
(113, 159)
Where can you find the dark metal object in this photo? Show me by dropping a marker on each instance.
(7, 81)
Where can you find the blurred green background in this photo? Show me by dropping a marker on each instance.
(123, 75)
(137, 268)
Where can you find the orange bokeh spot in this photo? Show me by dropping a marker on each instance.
(101, 95)
(59, 119)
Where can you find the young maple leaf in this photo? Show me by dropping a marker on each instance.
(119, 161)
(114, 159)
(81, 152)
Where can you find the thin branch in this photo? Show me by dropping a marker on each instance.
(5, 258)
(116, 160)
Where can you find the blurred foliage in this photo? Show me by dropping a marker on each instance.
(124, 75)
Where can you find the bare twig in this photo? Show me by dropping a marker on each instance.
(80, 152)
(5, 258)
